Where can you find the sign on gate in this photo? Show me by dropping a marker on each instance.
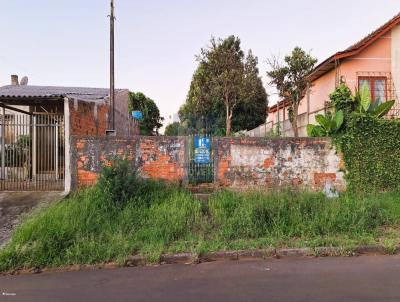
(202, 149)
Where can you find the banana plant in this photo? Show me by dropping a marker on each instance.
(365, 104)
(328, 124)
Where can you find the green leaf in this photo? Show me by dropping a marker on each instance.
(365, 97)
(339, 118)
(383, 108)
(318, 131)
(310, 129)
(323, 121)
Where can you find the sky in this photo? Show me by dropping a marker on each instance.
(66, 42)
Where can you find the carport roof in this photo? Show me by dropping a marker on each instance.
(53, 92)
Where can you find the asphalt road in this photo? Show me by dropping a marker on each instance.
(367, 278)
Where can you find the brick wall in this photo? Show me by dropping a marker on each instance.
(162, 157)
(88, 118)
(271, 163)
(89, 155)
(154, 157)
(239, 162)
(91, 118)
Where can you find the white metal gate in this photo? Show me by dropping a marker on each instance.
(32, 151)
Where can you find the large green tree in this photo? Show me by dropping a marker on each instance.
(152, 121)
(226, 93)
(291, 80)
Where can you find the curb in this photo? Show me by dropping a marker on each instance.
(258, 254)
(255, 254)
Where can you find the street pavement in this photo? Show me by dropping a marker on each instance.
(366, 278)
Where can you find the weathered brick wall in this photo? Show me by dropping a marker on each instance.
(239, 162)
(272, 163)
(89, 155)
(91, 118)
(162, 157)
(154, 157)
(88, 118)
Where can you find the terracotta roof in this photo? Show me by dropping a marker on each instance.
(329, 63)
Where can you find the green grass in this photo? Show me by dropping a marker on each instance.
(90, 227)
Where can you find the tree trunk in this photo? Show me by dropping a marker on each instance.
(294, 122)
(228, 121)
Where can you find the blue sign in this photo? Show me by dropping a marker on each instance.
(202, 149)
(137, 115)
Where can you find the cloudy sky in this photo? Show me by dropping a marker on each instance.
(65, 42)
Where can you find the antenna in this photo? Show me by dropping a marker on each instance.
(24, 81)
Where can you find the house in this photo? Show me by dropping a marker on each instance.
(36, 123)
(374, 60)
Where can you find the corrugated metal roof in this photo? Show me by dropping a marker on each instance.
(29, 91)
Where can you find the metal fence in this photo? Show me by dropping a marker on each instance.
(201, 159)
(32, 152)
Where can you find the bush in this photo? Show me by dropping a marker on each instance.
(121, 184)
(119, 181)
(371, 149)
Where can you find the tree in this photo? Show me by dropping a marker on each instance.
(226, 92)
(290, 79)
(175, 129)
(152, 121)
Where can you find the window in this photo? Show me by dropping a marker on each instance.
(377, 87)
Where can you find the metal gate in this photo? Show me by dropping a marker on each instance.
(201, 159)
(32, 151)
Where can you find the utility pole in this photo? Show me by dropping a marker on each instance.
(112, 80)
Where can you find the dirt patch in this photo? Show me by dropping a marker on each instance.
(15, 206)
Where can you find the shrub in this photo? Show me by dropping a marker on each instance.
(118, 181)
(371, 149)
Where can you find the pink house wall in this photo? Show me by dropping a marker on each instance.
(374, 59)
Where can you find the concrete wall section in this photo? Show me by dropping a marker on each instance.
(273, 163)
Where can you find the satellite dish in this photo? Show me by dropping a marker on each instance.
(24, 81)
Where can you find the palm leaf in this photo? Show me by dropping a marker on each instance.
(339, 118)
(310, 129)
(323, 121)
(383, 108)
(365, 97)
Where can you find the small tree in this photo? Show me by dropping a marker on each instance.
(226, 93)
(290, 79)
(152, 121)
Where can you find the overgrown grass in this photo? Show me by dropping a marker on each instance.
(89, 227)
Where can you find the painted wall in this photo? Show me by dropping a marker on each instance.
(396, 59)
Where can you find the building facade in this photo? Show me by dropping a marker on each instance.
(374, 60)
